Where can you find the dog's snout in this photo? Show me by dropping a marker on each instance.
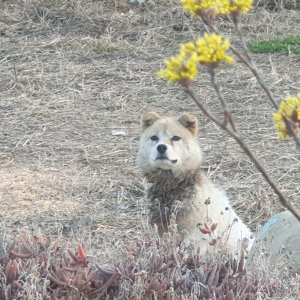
(161, 148)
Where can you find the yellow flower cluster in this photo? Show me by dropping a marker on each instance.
(209, 50)
(196, 6)
(181, 68)
(289, 110)
(215, 7)
(236, 6)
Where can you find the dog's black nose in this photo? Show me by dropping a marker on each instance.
(161, 148)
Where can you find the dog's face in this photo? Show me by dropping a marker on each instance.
(169, 143)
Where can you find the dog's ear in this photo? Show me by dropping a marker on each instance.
(149, 118)
(189, 122)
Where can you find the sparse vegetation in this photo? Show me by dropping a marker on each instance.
(290, 45)
(39, 268)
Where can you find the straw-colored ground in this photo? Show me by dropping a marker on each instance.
(72, 72)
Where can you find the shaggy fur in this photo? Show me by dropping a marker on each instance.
(170, 157)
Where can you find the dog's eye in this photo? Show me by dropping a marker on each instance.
(176, 138)
(154, 138)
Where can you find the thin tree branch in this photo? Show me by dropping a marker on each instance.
(284, 201)
(251, 65)
(246, 60)
(227, 112)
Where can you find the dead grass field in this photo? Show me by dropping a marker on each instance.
(73, 71)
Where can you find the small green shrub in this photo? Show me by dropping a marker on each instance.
(287, 45)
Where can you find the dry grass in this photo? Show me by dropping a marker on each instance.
(71, 72)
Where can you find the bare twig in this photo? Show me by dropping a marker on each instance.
(227, 112)
(248, 61)
(284, 201)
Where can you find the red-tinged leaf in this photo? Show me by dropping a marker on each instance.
(74, 269)
(3, 258)
(54, 248)
(73, 256)
(81, 252)
(77, 282)
(42, 240)
(48, 242)
(158, 287)
(56, 280)
(91, 275)
(212, 276)
(213, 227)
(43, 257)
(107, 284)
(25, 249)
(65, 276)
(12, 246)
(169, 295)
(204, 230)
(16, 285)
(20, 255)
(105, 271)
(131, 251)
(236, 275)
(241, 262)
(213, 242)
(230, 295)
(11, 271)
(63, 262)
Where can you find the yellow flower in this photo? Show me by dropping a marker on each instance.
(181, 68)
(188, 48)
(288, 111)
(203, 8)
(236, 6)
(211, 49)
(211, 8)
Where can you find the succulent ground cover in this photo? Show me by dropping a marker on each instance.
(41, 268)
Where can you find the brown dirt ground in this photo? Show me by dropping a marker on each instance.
(71, 72)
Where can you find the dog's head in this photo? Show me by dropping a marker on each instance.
(169, 143)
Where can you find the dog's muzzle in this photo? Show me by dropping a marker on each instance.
(161, 149)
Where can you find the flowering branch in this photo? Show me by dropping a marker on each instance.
(211, 51)
(283, 200)
(248, 61)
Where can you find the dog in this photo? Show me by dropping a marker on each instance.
(170, 158)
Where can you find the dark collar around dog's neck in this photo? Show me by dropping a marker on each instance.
(167, 181)
(168, 193)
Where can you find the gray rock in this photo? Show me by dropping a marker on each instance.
(138, 2)
(278, 243)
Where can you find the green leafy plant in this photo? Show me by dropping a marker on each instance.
(286, 46)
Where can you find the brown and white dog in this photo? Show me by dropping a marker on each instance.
(170, 157)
